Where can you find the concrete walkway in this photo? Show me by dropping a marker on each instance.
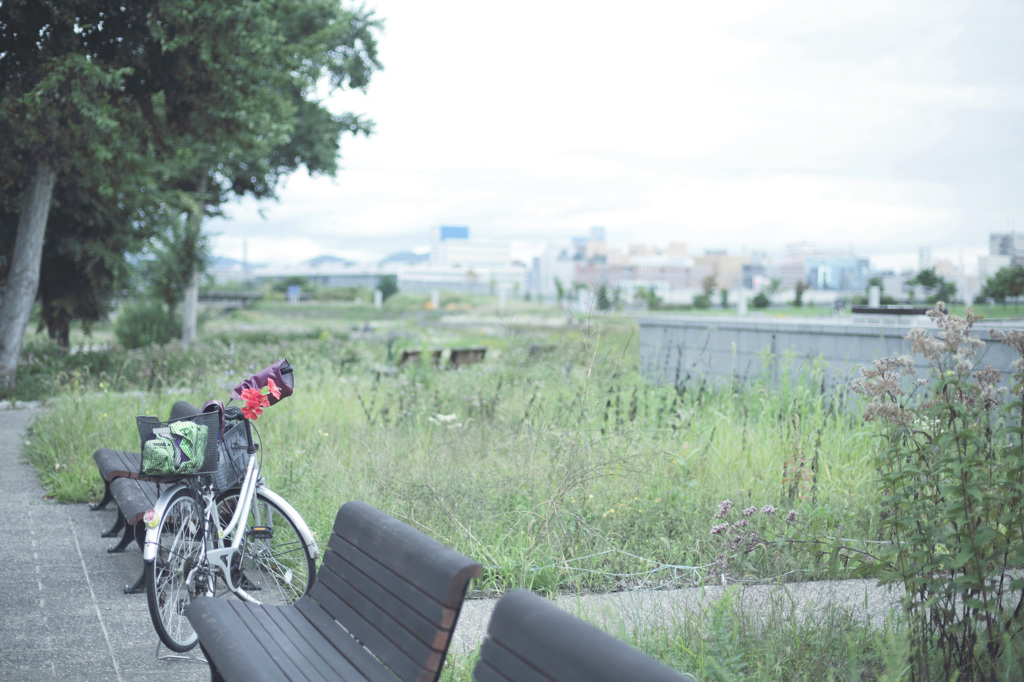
(64, 616)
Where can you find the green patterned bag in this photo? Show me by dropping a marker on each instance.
(178, 448)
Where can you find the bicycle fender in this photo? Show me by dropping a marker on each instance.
(149, 549)
(296, 518)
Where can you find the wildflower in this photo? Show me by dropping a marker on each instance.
(768, 509)
(750, 511)
(255, 401)
(272, 389)
(723, 508)
(791, 517)
(742, 523)
(719, 529)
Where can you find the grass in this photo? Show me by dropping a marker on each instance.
(560, 471)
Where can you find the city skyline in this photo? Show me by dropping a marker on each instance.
(857, 126)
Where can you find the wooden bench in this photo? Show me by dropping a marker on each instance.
(383, 607)
(461, 357)
(529, 638)
(416, 356)
(120, 470)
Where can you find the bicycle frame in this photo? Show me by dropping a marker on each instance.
(216, 552)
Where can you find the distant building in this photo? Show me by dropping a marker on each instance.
(452, 247)
(1007, 244)
(837, 273)
(727, 270)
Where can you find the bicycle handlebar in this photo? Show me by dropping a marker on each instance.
(281, 372)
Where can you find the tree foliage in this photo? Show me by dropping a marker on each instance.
(133, 108)
(936, 287)
(1007, 283)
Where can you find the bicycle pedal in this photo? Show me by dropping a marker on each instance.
(261, 532)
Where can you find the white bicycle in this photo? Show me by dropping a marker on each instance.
(208, 529)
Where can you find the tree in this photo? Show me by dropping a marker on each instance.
(798, 293)
(761, 300)
(211, 99)
(1005, 284)
(723, 298)
(936, 287)
(707, 285)
(65, 105)
(560, 291)
(649, 296)
(261, 119)
(388, 285)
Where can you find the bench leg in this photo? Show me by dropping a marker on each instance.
(116, 528)
(107, 498)
(139, 586)
(126, 539)
(139, 533)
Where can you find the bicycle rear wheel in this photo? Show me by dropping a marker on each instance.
(179, 572)
(274, 565)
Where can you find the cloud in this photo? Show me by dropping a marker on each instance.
(871, 125)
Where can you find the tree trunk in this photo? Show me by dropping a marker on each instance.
(60, 332)
(190, 309)
(190, 304)
(23, 279)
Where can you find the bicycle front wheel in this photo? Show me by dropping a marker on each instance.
(179, 572)
(274, 564)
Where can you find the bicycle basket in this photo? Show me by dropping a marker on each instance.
(234, 457)
(179, 447)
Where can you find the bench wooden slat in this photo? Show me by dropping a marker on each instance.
(274, 641)
(528, 632)
(408, 553)
(343, 643)
(497, 664)
(419, 612)
(116, 463)
(351, 585)
(375, 630)
(134, 498)
(223, 632)
(328, 662)
(485, 672)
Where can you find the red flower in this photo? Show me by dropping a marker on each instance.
(254, 403)
(273, 389)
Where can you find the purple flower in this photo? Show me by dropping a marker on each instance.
(742, 523)
(723, 508)
(719, 529)
(768, 509)
(750, 511)
(791, 516)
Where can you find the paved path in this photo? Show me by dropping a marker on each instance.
(63, 614)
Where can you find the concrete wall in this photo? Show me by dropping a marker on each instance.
(675, 349)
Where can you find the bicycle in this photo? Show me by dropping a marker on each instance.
(196, 534)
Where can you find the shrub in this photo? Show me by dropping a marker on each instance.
(761, 300)
(702, 301)
(143, 323)
(951, 472)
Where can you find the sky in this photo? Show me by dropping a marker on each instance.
(869, 126)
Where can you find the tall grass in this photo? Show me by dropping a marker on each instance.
(558, 470)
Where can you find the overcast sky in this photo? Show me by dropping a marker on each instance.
(874, 125)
